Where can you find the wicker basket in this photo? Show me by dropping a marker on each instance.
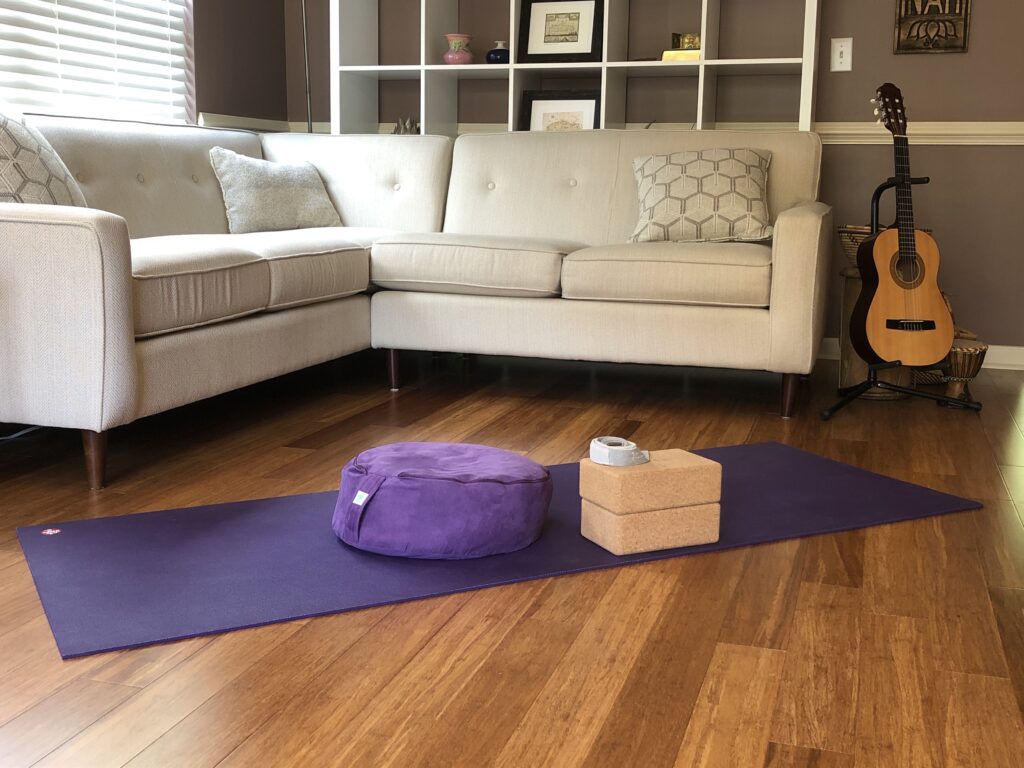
(850, 238)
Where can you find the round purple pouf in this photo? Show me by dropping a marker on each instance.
(441, 501)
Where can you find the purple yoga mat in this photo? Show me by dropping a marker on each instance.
(122, 582)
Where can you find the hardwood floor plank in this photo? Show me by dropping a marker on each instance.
(561, 726)
(1001, 543)
(730, 724)
(141, 666)
(340, 694)
(1009, 611)
(901, 687)
(201, 738)
(788, 756)
(1014, 479)
(41, 675)
(117, 737)
(983, 723)
(389, 730)
(835, 559)
(46, 726)
(669, 671)
(817, 697)
(474, 726)
(762, 606)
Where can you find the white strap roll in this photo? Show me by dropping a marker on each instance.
(616, 452)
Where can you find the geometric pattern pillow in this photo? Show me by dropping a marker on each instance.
(30, 170)
(704, 195)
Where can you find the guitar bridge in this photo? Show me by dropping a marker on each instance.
(910, 325)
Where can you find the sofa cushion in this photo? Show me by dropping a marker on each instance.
(474, 264)
(367, 236)
(157, 177)
(717, 274)
(399, 182)
(310, 265)
(261, 196)
(181, 281)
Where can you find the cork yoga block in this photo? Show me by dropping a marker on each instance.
(672, 478)
(650, 531)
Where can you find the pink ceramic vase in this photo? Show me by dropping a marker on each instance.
(458, 49)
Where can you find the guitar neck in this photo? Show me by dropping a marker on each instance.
(904, 198)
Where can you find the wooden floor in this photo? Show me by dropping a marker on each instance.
(901, 645)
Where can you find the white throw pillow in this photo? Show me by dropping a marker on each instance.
(30, 170)
(704, 195)
(261, 196)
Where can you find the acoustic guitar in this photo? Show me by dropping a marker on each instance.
(900, 314)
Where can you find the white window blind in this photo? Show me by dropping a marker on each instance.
(125, 59)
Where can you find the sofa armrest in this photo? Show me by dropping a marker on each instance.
(67, 348)
(801, 260)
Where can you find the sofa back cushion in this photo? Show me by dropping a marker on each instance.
(393, 182)
(581, 187)
(158, 177)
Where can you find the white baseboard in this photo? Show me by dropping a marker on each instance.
(999, 357)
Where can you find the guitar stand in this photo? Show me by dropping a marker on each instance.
(849, 394)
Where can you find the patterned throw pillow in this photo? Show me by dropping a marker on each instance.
(30, 171)
(705, 195)
(261, 196)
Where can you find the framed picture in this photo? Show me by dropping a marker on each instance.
(932, 26)
(560, 111)
(560, 30)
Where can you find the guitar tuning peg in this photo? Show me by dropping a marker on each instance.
(877, 112)
(878, 121)
(873, 101)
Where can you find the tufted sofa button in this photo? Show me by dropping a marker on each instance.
(140, 178)
(80, 176)
(490, 185)
(195, 178)
(397, 187)
(573, 182)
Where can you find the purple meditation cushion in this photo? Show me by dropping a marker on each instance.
(442, 501)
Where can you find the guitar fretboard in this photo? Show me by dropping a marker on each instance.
(904, 200)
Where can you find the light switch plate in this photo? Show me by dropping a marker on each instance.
(842, 54)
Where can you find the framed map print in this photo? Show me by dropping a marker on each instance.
(560, 30)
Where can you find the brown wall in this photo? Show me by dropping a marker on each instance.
(240, 58)
(968, 203)
(972, 203)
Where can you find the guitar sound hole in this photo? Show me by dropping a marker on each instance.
(905, 273)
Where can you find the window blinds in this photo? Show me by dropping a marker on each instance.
(125, 59)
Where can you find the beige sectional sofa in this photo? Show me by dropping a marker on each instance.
(509, 244)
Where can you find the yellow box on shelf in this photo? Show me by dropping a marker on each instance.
(681, 55)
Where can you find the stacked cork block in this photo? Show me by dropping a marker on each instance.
(671, 501)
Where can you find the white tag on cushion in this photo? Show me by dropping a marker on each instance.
(705, 195)
(261, 196)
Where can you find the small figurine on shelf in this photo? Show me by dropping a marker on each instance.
(499, 53)
(406, 127)
(685, 47)
(458, 49)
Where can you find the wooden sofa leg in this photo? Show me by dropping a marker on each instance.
(95, 446)
(790, 384)
(394, 373)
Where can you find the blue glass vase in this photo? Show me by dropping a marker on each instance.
(498, 54)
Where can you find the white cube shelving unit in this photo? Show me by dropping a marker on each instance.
(356, 73)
